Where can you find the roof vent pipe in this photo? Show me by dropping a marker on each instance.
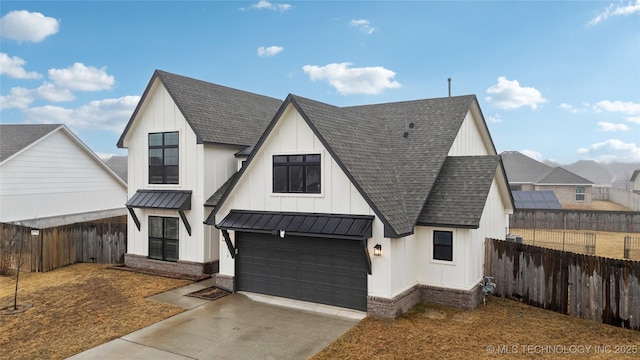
(449, 79)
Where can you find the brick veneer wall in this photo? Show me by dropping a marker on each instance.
(181, 266)
(398, 305)
(225, 282)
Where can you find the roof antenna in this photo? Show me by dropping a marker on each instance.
(449, 79)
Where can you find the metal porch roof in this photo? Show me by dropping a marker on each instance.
(161, 199)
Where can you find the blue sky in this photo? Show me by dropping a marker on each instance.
(555, 80)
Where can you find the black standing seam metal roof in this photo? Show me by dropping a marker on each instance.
(161, 199)
(354, 227)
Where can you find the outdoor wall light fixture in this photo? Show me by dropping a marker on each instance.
(282, 234)
(377, 250)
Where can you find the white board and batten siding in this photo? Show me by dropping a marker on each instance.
(202, 169)
(57, 176)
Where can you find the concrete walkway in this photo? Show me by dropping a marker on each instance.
(237, 326)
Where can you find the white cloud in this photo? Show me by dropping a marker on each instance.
(347, 81)
(12, 67)
(532, 154)
(54, 93)
(83, 78)
(508, 94)
(107, 114)
(628, 108)
(265, 5)
(269, 51)
(612, 150)
(495, 119)
(613, 10)
(363, 25)
(634, 119)
(607, 126)
(18, 97)
(22, 25)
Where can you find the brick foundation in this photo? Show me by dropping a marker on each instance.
(398, 305)
(180, 267)
(225, 282)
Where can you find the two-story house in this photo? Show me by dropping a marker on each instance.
(373, 207)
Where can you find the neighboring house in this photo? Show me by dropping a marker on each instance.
(119, 165)
(373, 207)
(49, 177)
(527, 174)
(635, 181)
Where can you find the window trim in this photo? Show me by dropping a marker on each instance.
(433, 248)
(150, 147)
(270, 183)
(163, 239)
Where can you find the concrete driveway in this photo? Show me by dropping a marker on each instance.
(237, 326)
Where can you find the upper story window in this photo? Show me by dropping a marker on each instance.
(443, 245)
(581, 192)
(163, 158)
(296, 174)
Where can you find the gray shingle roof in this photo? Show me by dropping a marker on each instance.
(559, 175)
(523, 169)
(394, 173)
(217, 114)
(460, 192)
(14, 138)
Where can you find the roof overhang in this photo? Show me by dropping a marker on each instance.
(335, 226)
(179, 200)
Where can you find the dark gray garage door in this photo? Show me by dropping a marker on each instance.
(327, 271)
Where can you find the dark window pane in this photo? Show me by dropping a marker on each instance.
(313, 179)
(155, 157)
(155, 139)
(171, 156)
(279, 179)
(296, 158)
(171, 174)
(171, 228)
(155, 226)
(312, 158)
(171, 139)
(296, 181)
(279, 159)
(156, 174)
(155, 249)
(443, 245)
(171, 250)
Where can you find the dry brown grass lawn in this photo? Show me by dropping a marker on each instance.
(78, 307)
(439, 332)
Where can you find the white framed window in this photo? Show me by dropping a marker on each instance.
(581, 193)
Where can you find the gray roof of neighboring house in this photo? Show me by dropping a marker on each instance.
(635, 174)
(523, 169)
(217, 114)
(460, 192)
(561, 175)
(395, 174)
(15, 137)
(119, 165)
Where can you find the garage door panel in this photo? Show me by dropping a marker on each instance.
(328, 271)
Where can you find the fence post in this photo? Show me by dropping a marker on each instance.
(627, 246)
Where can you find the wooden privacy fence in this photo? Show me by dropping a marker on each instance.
(585, 286)
(632, 247)
(589, 220)
(47, 249)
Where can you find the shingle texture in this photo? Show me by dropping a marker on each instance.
(14, 138)
(217, 114)
(523, 169)
(460, 192)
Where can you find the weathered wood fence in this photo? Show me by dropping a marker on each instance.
(47, 249)
(632, 247)
(595, 288)
(590, 220)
